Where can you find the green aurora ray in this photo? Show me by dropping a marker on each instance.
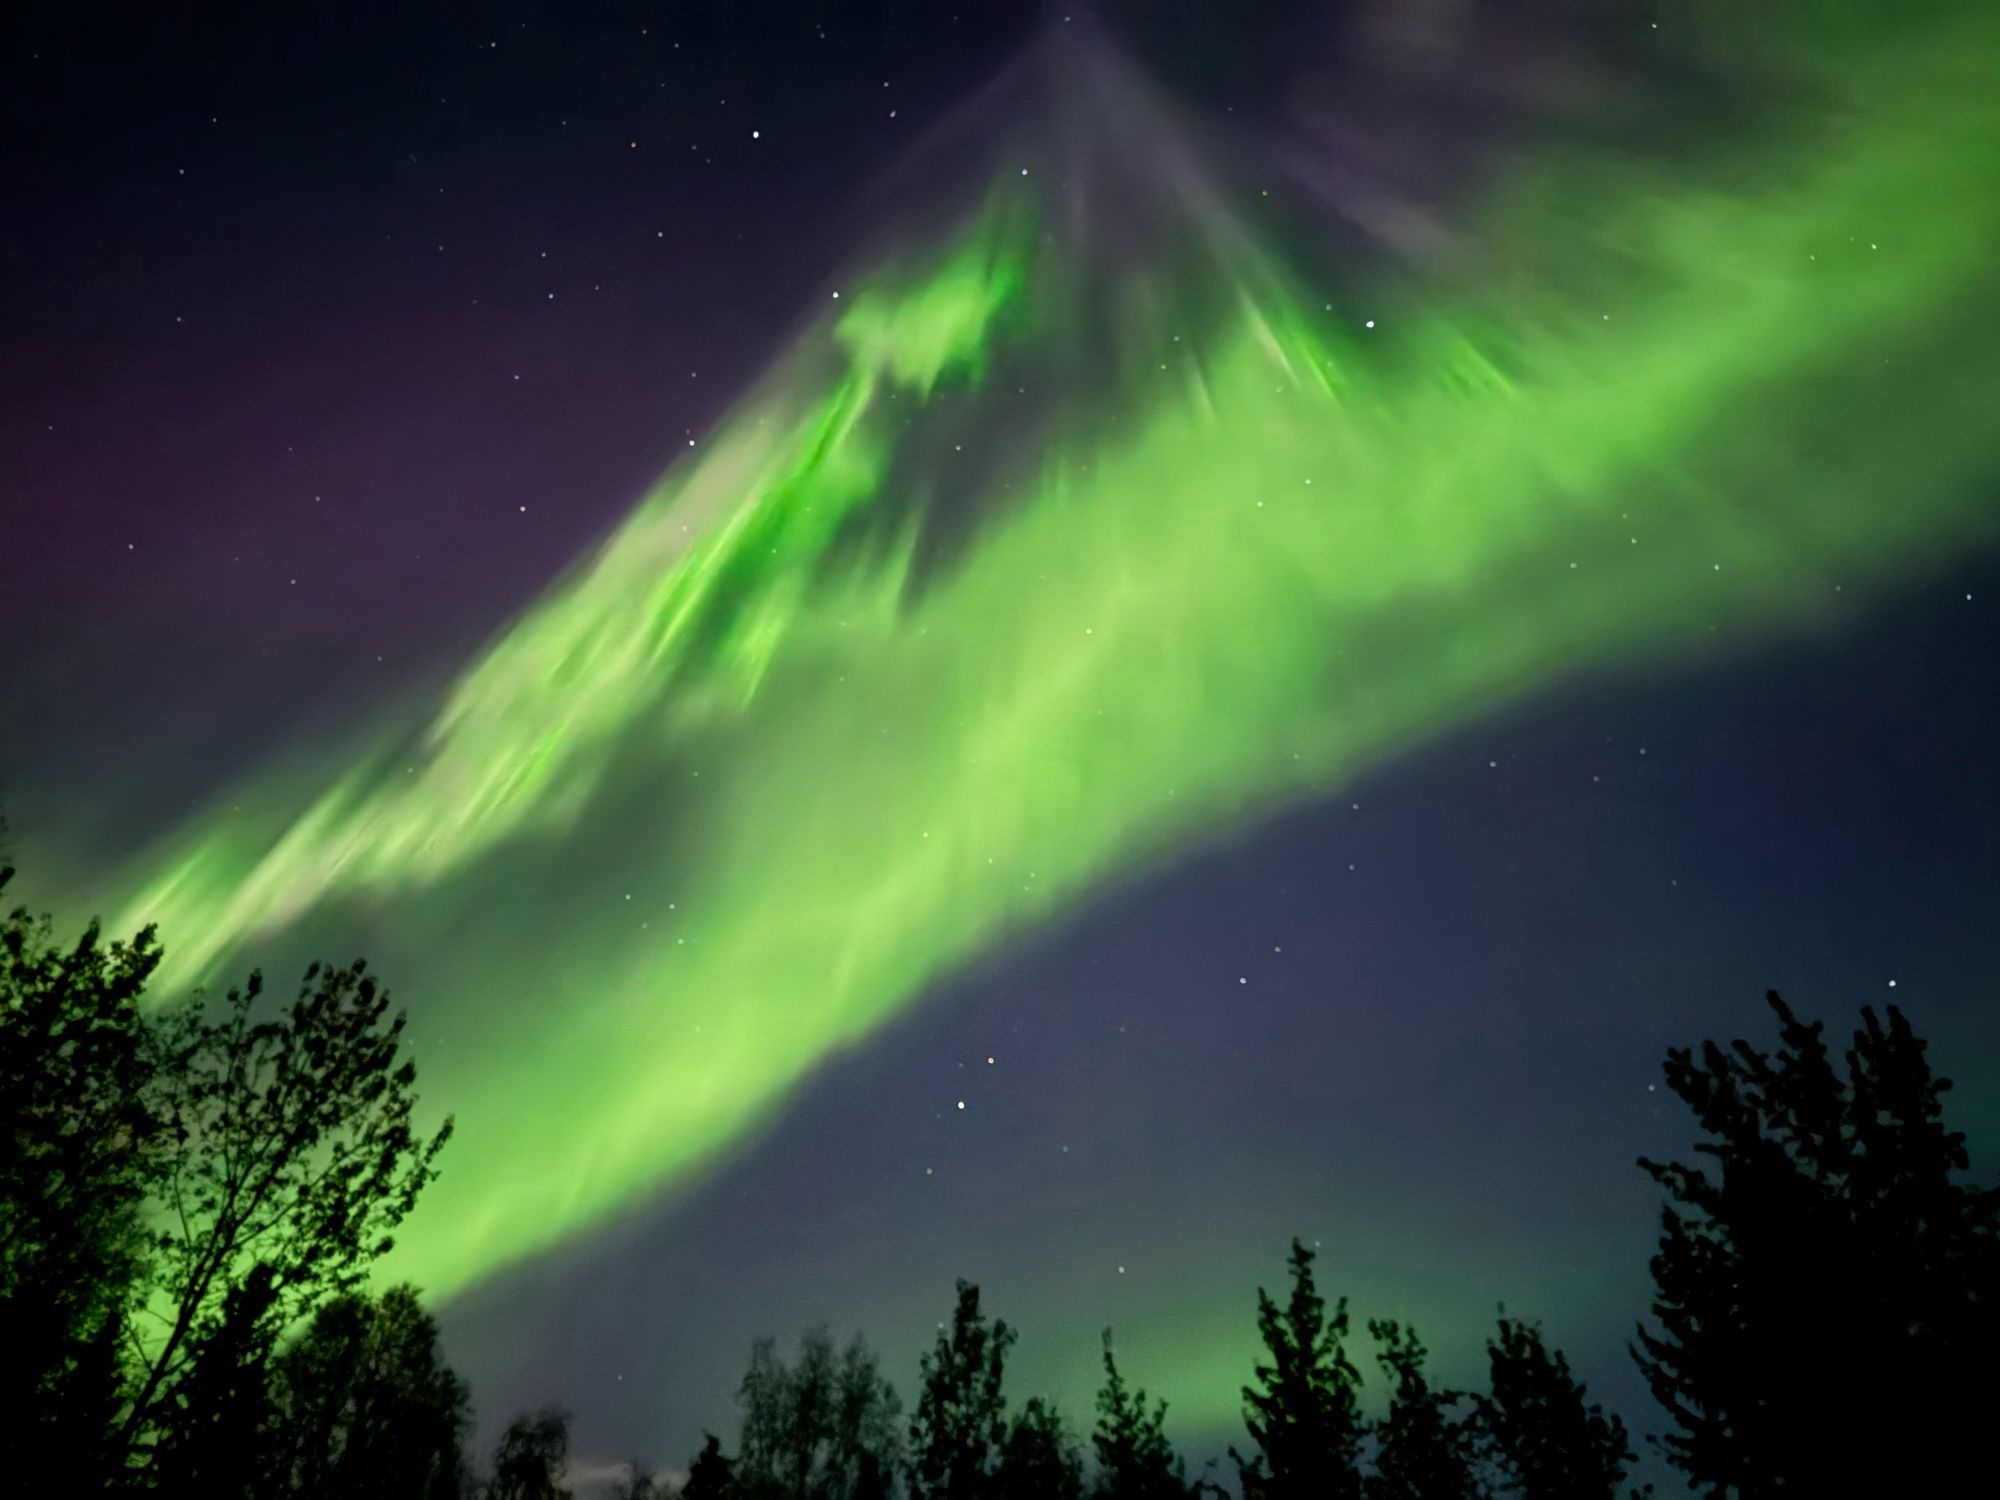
(1674, 414)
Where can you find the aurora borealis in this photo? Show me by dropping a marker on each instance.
(1062, 546)
(903, 778)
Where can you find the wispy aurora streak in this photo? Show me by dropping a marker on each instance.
(1304, 546)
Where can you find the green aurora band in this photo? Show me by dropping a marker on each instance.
(1671, 414)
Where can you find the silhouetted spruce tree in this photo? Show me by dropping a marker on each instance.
(214, 1440)
(1304, 1414)
(824, 1426)
(77, 1153)
(366, 1405)
(1534, 1428)
(531, 1457)
(1040, 1460)
(1423, 1450)
(712, 1475)
(961, 1417)
(87, 1407)
(1826, 1292)
(1134, 1459)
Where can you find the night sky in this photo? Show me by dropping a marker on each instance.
(334, 341)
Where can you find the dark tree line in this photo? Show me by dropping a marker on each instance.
(191, 1201)
(829, 1426)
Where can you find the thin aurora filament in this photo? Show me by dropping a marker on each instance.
(1303, 547)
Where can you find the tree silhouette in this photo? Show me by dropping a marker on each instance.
(712, 1475)
(1134, 1459)
(1534, 1428)
(960, 1422)
(1422, 1451)
(77, 1143)
(1826, 1294)
(86, 1407)
(532, 1454)
(214, 1435)
(1304, 1414)
(1040, 1460)
(823, 1426)
(289, 1144)
(177, 1188)
(366, 1405)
